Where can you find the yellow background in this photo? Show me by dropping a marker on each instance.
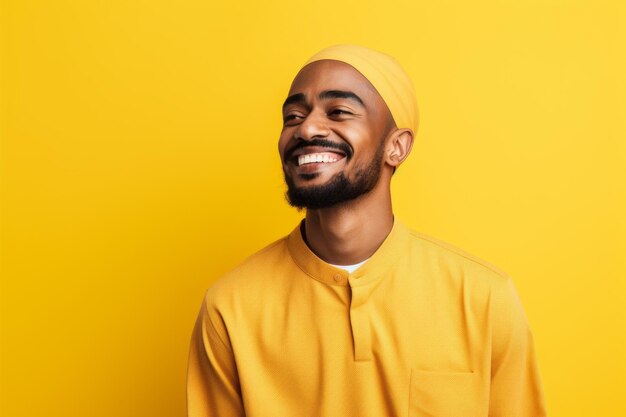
(139, 163)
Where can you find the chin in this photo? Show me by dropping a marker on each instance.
(313, 179)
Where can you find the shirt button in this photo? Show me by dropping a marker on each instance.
(337, 278)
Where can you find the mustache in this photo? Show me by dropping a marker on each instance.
(325, 143)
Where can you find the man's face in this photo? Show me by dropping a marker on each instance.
(333, 136)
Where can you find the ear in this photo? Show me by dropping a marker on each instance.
(398, 147)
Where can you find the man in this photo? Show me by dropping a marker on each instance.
(352, 313)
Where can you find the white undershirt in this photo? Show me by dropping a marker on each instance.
(350, 268)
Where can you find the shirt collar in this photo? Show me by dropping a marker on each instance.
(374, 269)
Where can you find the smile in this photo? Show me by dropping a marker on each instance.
(323, 157)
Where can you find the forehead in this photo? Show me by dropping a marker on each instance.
(334, 75)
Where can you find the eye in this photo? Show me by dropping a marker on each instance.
(292, 117)
(339, 112)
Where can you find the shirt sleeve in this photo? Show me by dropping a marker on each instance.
(212, 381)
(516, 389)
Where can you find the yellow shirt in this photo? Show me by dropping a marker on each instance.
(421, 329)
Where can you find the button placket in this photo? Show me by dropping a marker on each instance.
(359, 322)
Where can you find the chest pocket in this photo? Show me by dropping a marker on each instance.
(445, 394)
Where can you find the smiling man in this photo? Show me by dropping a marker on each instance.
(352, 313)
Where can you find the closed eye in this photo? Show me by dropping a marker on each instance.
(291, 117)
(339, 112)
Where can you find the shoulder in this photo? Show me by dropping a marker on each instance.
(249, 276)
(456, 261)
(470, 274)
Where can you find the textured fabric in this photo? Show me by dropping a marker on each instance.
(385, 74)
(421, 329)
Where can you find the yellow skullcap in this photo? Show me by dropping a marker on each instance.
(385, 74)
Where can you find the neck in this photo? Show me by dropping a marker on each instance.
(350, 233)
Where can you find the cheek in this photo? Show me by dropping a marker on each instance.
(360, 139)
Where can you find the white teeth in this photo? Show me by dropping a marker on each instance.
(315, 158)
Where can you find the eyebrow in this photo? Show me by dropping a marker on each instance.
(325, 95)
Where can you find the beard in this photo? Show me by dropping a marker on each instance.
(339, 189)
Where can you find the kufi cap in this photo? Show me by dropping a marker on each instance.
(385, 74)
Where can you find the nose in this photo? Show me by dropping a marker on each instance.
(313, 126)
